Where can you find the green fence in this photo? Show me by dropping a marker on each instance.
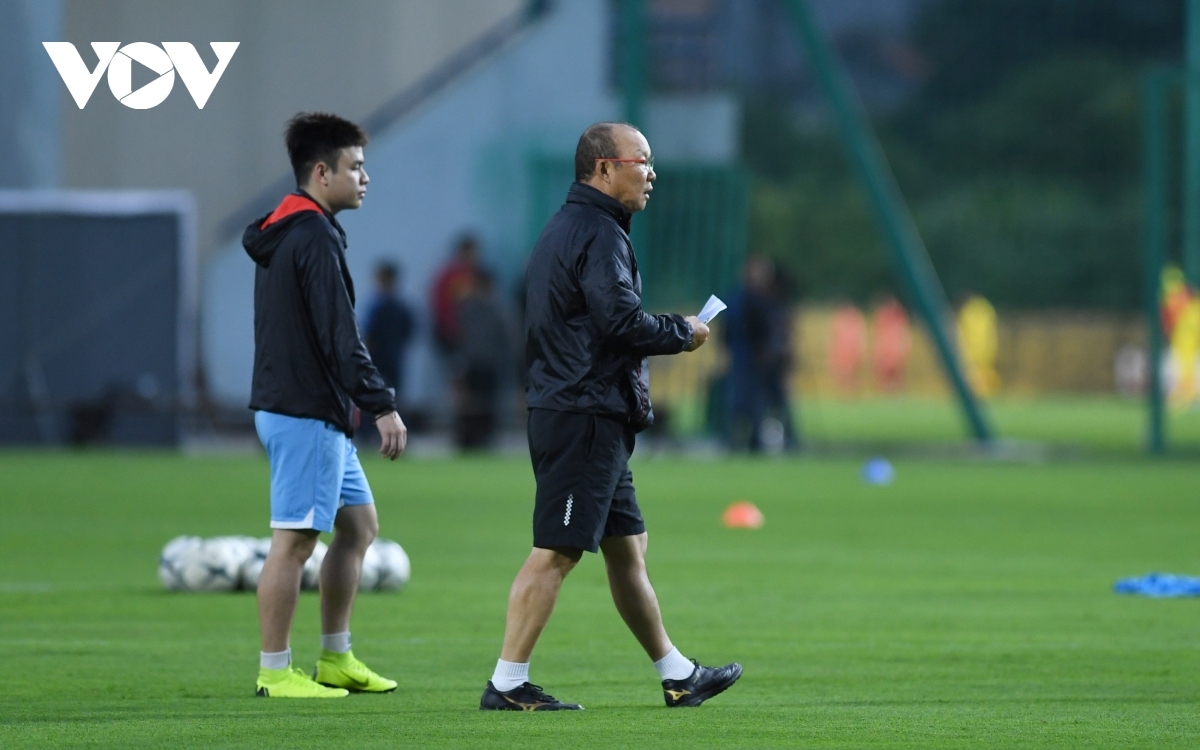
(691, 239)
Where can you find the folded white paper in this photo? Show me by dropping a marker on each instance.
(711, 308)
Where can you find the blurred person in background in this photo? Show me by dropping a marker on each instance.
(758, 338)
(891, 343)
(978, 340)
(450, 286)
(588, 390)
(1185, 349)
(1181, 325)
(387, 332)
(782, 358)
(312, 376)
(847, 348)
(1175, 297)
(483, 361)
(388, 328)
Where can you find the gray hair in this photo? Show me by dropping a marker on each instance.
(597, 142)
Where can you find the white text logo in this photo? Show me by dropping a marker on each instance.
(118, 61)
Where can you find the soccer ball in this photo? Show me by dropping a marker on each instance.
(252, 568)
(170, 562)
(226, 563)
(243, 546)
(372, 568)
(396, 568)
(214, 565)
(312, 569)
(240, 547)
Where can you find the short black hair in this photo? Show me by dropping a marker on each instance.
(466, 242)
(387, 272)
(597, 142)
(314, 137)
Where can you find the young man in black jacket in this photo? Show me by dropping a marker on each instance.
(311, 370)
(587, 339)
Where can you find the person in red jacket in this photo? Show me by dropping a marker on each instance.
(891, 342)
(451, 286)
(847, 348)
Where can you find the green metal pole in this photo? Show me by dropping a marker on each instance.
(633, 86)
(1191, 180)
(633, 60)
(891, 212)
(1156, 89)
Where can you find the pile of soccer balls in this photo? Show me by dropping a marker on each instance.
(231, 563)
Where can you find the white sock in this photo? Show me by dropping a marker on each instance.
(276, 660)
(674, 666)
(509, 675)
(339, 643)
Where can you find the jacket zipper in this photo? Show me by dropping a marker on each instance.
(643, 396)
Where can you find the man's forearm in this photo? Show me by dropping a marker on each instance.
(654, 335)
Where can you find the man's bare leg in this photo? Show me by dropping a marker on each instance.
(685, 683)
(530, 604)
(532, 598)
(354, 528)
(625, 561)
(279, 585)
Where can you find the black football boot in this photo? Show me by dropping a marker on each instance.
(525, 697)
(704, 683)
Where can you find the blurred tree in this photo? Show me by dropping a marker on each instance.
(973, 47)
(1067, 117)
(1019, 157)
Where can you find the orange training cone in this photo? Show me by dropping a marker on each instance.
(742, 515)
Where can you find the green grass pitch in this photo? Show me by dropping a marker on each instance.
(968, 605)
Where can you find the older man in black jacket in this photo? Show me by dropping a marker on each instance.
(587, 339)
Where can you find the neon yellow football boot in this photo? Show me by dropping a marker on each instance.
(292, 683)
(344, 671)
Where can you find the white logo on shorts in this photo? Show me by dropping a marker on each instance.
(570, 502)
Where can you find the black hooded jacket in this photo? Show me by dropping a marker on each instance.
(587, 337)
(309, 360)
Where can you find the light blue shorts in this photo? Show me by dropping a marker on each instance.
(314, 471)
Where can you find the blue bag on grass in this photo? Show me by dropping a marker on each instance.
(1159, 585)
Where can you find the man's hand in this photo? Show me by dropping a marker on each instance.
(393, 433)
(699, 333)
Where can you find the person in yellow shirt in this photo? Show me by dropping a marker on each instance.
(978, 342)
(1181, 324)
(1185, 346)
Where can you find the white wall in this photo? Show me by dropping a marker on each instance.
(294, 55)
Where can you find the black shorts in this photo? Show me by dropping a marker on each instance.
(584, 487)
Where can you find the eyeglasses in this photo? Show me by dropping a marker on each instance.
(649, 163)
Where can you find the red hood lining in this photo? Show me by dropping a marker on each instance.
(292, 204)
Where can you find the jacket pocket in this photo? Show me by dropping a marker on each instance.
(589, 437)
(642, 415)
